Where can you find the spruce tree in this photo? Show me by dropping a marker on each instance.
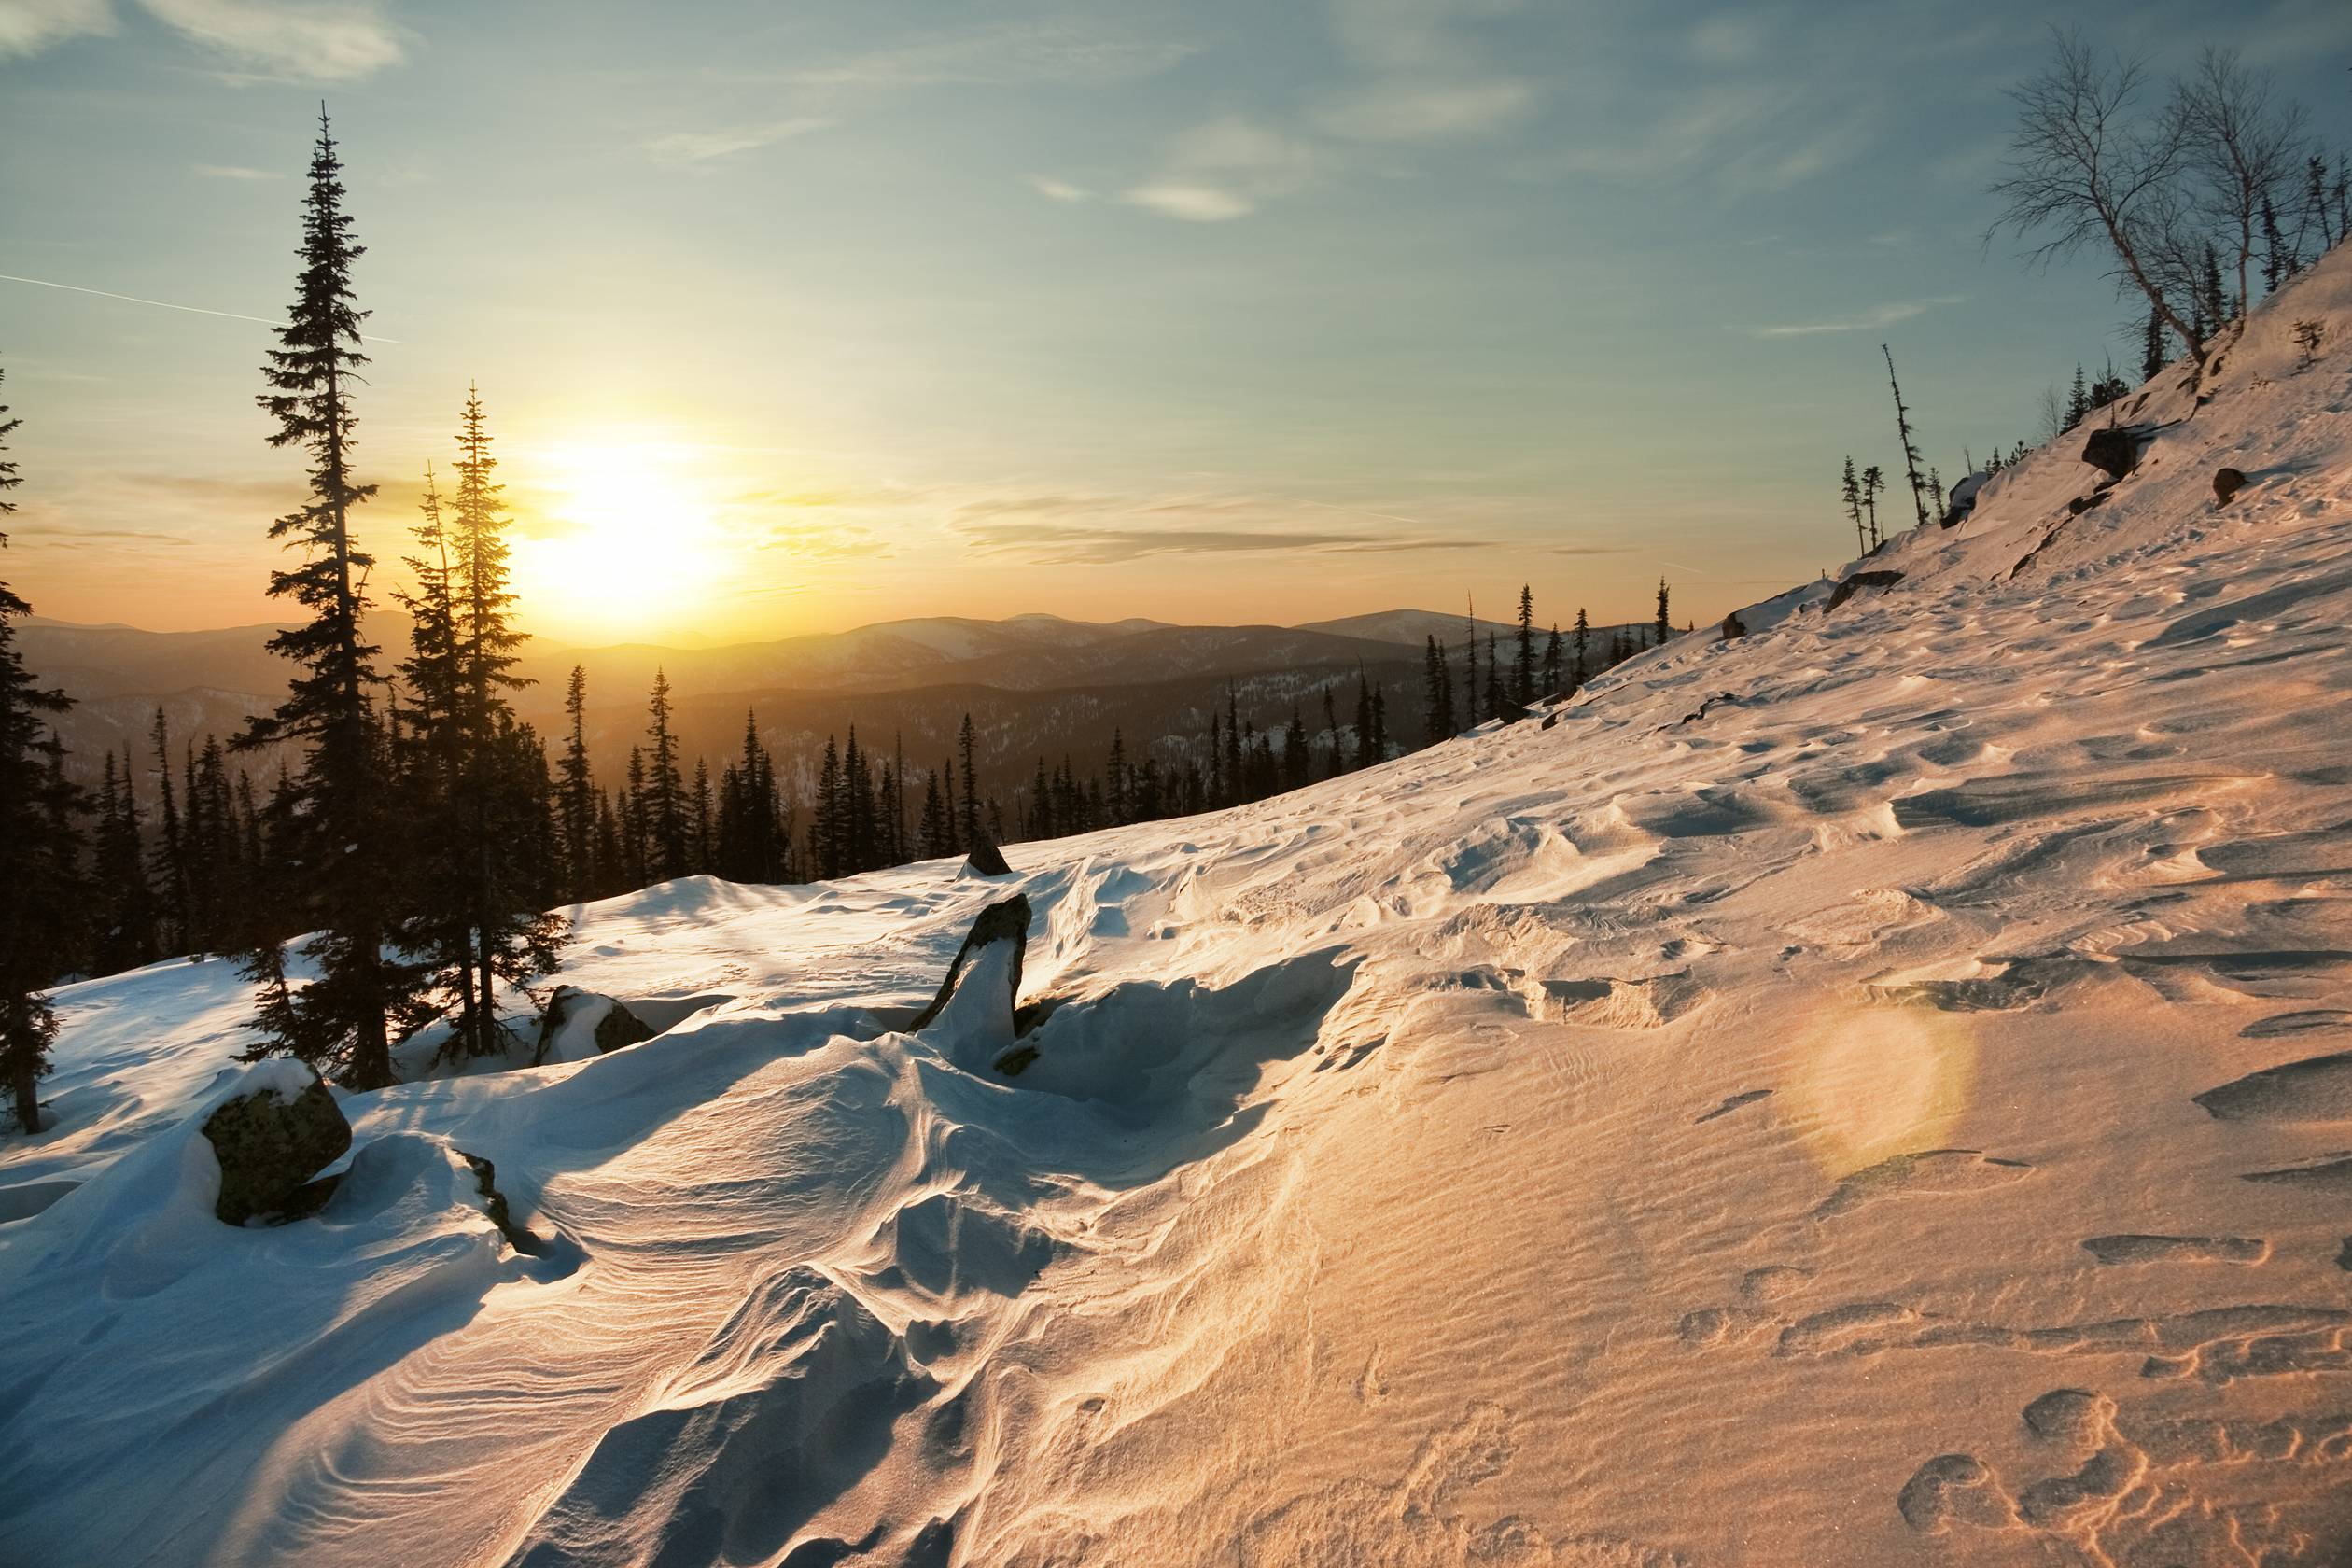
(1437, 694)
(1850, 496)
(702, 824)
(499, 775)
(125, 913)
(171, 853)
(1583, 671)
(1552, 662)
(1665, 627)
(967, 742)
(39, 852)
(1911, 447)
(576, 793)
(664, 790)
(2152, 348)
(1364, 757)
(1523, 667)
(2279, 262)
(341, 1021)
(1873, 484)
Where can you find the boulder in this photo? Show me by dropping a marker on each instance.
(2114, 448)
(1733, 626)
(580, 1023)
(986, 859)
(2226, 484)
(269, 1144)
(1858, 582)
(2081, 504)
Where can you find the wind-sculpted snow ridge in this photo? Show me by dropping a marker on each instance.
(1870, 1090)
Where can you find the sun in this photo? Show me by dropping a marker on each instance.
(628, 547)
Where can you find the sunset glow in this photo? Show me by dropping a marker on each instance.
(627, 546)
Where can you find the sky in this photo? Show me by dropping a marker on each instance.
(794, 317)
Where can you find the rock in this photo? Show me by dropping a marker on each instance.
(2081, 504)
(1733, 626)
(1858, 582)
(2226, 484)
(1006, 922)
(577, 1020)
(494, 1204)
(1963, 499)
(2115, 448)
(269, 1145)
(986, 859)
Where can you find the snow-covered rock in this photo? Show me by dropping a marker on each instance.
(580, 1025)
(284, 1129)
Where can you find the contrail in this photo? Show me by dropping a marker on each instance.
(163, 304)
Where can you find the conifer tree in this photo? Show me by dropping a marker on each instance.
(826, 839)
(2152, 348)
(346, 878)
(1911, 447)
(1551, 662)
(1873, 484)
(501, 773)
(1437, 699)
(702, 829)
(664, 803)
(1523, 667)
(967, 742)
(1364, 757)
(2279, 262)
(1850, 496)
(1583, 671)
(171, 854)
(931, 833)
(2077, 399)
(1495, 697)
(125, 913)
(39, 851)
(575, 794)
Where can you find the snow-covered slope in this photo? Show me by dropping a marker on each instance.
(1750, 1114)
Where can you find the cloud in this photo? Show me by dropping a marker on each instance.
(1225, 169)
(698, 146)
(232, 172)
(29, 26)
(1062, 544)
(305, 40)
(1060, 190)
(1867, 321)
(1406, 111)
(1014, 54)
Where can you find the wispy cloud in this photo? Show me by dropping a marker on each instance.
(1225, 170)
(29, 26)
(1060, 190)
(1016, 54)
(1867, 321)
(302, 40)
(1063, 545)
(232, 172)
(698, 146)
(1411, 111)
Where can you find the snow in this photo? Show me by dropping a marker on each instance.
(1748, 1115)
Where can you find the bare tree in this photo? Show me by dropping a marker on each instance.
(2050, 420)
(2243, 141)
(2084, 169)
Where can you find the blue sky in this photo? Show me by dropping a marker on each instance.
(790, 317)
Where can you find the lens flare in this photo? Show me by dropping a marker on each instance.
(1869, 1083)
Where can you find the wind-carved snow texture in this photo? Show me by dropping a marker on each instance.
(1871, 1090)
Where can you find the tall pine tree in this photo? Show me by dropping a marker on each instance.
(346, 879)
